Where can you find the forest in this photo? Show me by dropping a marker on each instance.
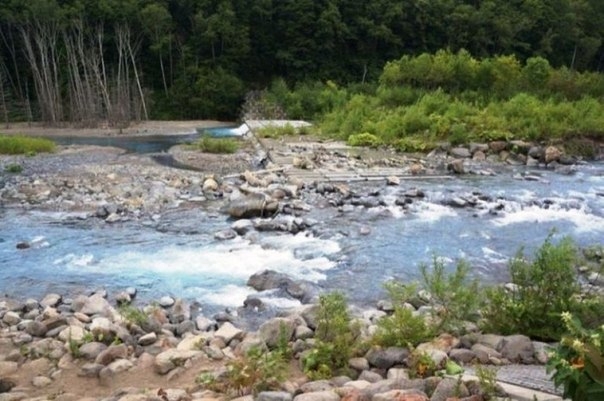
(90, 62)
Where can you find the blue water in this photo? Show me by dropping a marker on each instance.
(220, 132)
(179, 256)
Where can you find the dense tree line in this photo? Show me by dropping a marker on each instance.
(89, 61)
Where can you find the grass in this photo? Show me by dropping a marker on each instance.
(216, 145)
(19, 144)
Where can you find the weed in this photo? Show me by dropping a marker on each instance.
(132, 314)
(402, 329)
(255, 372)
(216, 145)
(274, 131)
(487, 379)
(19, 144)
(13, 168)
(364, 139)
(420, 365)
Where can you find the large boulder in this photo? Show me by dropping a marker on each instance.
(552, 154)
(518, 348)
(276, 330)
(252, 205)
(168, 360)
(385, 358)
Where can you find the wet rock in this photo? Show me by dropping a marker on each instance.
(23, 245)
(385, 358)
(166, 301)
(460, 153)
(456, 166)
(552, 154)
(253, 205)
(393, 180)
(274, 330)
(242, 226)
(225, 234)
(518, 348)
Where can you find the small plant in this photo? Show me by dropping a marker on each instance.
(274, 131)
(13, 168)
(216, 145)
(420, 365)
(255, 372)
(364, 139)
(20, 144)
(335, 338)
(133, 314)
(402, 329)
(578, 361)
(454, 297)
(487, 379)
(545, 287)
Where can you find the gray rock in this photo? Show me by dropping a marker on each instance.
(168, 360)
(397, 374)
(213, 352)
(242, 226)
(596, 278)
(401, 395)
(387, 357)
(229, 332)
(371, 377)
(147, 339)
(462, 355)
(51, 300)
(203, 323)
(449, 388)
(7, 368)
(490, 340)
(253, 205)
(542, 352)
(225, 234)
(112, 353)
(92, 350)
(460, 153)
(274, 396)
(358, 364)
(102, 328)
(456, 166)
(518, 348)
(484, 353)
(41, 381)
(303, 332)
(316, 386)
(96, 305)
(166, 301)
(36, 329)
(11, 318)
(272, 331)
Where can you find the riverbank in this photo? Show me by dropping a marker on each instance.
(107, 187)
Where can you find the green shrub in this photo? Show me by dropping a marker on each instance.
(454, 296)
(414, 144)
(274, 131)
(364, 139)
(544, 288)
(216, 145)
(15, 145)
(421, 365)
(402, 329)
(335, 339)
(13, 168)
(133, 314)
(255, 372)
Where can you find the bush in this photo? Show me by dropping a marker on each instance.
(216, 145)
(335, 339)
(274, 131)
(16, 145)
(578, 361)
(13, 168)
(257, 371)
(402, 329)
(544, 288)
(364, 139)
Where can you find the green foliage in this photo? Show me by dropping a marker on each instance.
(421, 365)
(364, 139)
(133, 314)
(578, 361)
(208, 144)
(335, 339)
(414, 144)
(455, 296)
(487, 379)
(545, 287)
(14, 145)
(255, 372)
(13, 168)
(402, 329)
(274, 131)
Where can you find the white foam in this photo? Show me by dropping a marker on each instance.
(493, 256)
(234, 262)
(229, 296)
(581, 218)
(432, 212)
(75, 261)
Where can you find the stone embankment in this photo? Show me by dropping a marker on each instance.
(97, 347)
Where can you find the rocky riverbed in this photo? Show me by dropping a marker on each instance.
(73, 346)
